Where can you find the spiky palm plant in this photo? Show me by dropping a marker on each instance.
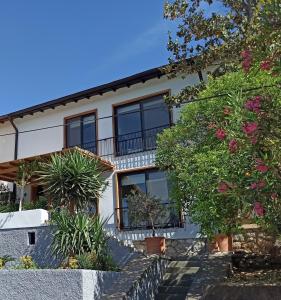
(79, 234)
(72, 180)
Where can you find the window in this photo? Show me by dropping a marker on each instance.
(138, 124)
(153, 182)
(31, 238)
(81, 132)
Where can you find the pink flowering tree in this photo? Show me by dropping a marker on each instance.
(224, 155)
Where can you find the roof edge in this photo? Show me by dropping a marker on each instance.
(98, 90)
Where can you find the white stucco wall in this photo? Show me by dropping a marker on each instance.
(52, 139)
(22, 219)
(7, 142)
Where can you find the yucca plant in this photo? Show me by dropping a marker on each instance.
(78, 234)
(72, 180)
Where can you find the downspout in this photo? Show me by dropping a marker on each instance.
(16, 150)
(16, 138)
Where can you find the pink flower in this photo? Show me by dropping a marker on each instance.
(220, 134)
(247, 59)
(250, 128)
(274, 196)
(253, 104)
(246, 65)
(223, 187)
(246, 54)
(253, 186)
(258, 185)
(233, 146)
(258, 208)
(262, 168)
(261, 184)
(265, 65)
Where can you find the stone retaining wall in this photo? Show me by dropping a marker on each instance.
(242, 292)
(256, 241)
(178, 247)
(139, 279)
(15, 242)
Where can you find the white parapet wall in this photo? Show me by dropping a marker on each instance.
(55, 284)
(24, 219)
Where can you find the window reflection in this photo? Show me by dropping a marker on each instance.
(138, 124)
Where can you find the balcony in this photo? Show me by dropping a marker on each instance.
(125, 146)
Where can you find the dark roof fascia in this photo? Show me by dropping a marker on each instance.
(99, 90)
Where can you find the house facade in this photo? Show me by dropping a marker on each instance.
(119, 122)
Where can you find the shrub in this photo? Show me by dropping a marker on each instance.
(11, 207)
(223, 156)
(4, 260)
(81, 234)
(26, 262)
(72, 180)
(87, 261)
(42, 203)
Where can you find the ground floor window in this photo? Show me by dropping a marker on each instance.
(152, 182)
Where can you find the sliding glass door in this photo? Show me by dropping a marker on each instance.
(137, 125)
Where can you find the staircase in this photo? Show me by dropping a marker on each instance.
(178, 279)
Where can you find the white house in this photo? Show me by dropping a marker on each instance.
(117, 121)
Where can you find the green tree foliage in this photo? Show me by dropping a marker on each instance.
(72, 180)
(82, 236)
(145, 208)
(224, 155)
(216, 32)
(26, 171)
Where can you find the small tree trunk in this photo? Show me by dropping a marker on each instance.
(71, 207)
(21, 198)
(153, 227)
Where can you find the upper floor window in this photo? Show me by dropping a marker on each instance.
(81, 131)
(137, 124)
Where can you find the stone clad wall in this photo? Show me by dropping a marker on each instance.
(139, 279)
(256, 241)
(178, 247)
(14, 242)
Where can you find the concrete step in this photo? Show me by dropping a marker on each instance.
(184, 264)
(187, 270)
(173, 290)
(178, 281)
(163, 296)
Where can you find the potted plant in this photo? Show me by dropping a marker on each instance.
(147, 209)
(224, 242)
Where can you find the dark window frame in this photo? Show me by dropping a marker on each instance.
(119, 195)
(81, 116)
(145, 99)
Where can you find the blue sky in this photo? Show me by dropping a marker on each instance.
(51, 48)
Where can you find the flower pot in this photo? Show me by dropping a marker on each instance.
(155, 245)
(224, 242)
(213, 246)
